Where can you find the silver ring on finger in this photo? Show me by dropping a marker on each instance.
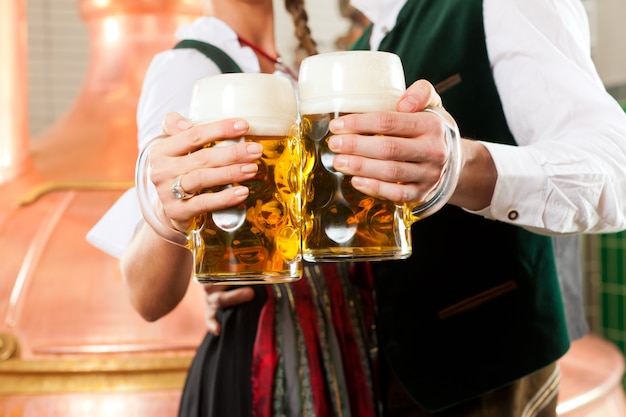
(178, 191)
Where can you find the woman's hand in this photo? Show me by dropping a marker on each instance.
(156, 272)
(217, 298)
(183, 157)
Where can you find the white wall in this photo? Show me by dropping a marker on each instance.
(610, 49)
(57, 59)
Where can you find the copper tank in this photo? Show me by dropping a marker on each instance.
(70, 342)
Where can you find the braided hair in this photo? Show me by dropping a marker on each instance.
(306, 44)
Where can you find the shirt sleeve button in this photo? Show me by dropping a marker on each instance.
(513, 215)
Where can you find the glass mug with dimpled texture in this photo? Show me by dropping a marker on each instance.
(339, 222)
(258, 241)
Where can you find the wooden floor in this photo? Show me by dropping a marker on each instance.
(591, 384)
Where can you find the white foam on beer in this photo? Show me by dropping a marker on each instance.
(266, 101)
(350, 82)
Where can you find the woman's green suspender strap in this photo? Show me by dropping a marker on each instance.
(224, 62)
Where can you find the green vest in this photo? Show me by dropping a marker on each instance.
(478, 304)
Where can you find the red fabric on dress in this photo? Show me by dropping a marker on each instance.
(264, 360)
(307, 317)
(361, 401)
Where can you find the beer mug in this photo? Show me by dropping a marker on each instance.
(339, 222)
(258, 241)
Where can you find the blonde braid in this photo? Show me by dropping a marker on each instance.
(306, 44)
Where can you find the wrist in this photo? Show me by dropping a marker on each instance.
(477, 179)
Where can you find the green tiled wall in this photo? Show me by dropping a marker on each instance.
(612, 288)
(612, 249)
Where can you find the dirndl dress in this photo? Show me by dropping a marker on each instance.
(306, 348)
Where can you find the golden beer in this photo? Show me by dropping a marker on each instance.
(339, 222)
(259, 240)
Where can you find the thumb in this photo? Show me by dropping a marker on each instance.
(175, 123)
(418, 96)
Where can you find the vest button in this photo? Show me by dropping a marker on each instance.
(513, 215)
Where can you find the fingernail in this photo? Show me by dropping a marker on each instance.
(184, 124)
(359, 181)
(407, 104)
(249, 168)
(340, 161)
(240, 191)
(334, 143)
(336, 124)
(240, 125)
(254, 148)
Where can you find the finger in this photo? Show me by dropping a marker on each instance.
(421, 140)
(418, 96)
(211, 288)
(212, 325)
(410, 193)
(209, 169)
(390, 171)
(181, 212)
(420, 176)
(175, 123)
(384, 123)
(217, 298)
(220, 156)
(197, 136)
(218, 178)
(226, 299)
(195, 180)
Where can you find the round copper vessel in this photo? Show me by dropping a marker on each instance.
(70, 342)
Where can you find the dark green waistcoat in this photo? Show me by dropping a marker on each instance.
(478, 303)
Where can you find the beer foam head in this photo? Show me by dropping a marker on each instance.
(266, 101)
(350, 82)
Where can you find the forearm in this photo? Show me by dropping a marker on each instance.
(156, 273)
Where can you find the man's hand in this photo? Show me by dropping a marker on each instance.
(398, 156)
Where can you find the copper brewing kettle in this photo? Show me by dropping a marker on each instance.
(70, 342)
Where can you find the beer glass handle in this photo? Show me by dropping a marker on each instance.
(451, 175)
(143, 184)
